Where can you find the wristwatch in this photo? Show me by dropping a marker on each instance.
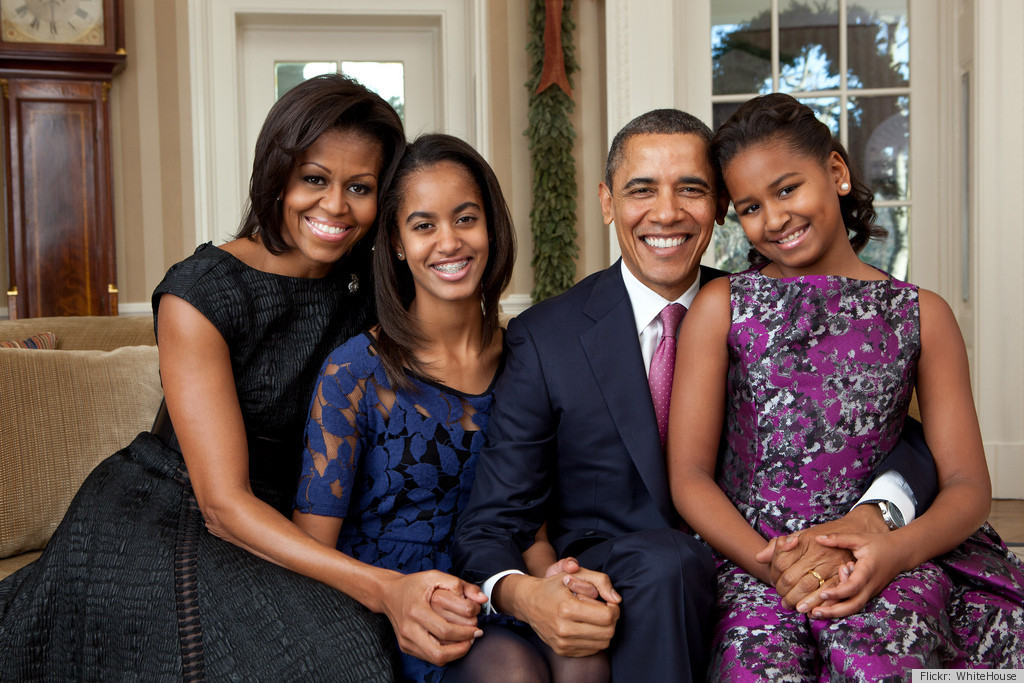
(891, 514)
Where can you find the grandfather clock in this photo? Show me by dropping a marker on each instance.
(57, 60)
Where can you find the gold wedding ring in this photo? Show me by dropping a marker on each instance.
(821, 581)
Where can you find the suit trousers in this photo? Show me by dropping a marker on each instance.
(667, 581)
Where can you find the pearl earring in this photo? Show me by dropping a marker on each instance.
(845, 187)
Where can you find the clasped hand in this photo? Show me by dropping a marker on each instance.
(433, 615)
(854, 558)
(574, 610)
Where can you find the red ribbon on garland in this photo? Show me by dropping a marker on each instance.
(553, 72)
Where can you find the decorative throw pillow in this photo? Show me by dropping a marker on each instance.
(61, 413)
(43, 340)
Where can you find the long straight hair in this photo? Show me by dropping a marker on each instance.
(399, 336)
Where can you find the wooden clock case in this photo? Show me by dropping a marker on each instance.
(57, 167)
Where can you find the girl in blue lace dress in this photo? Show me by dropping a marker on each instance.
(399, 414)
(809, 360)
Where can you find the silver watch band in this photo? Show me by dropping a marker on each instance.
(891, 514)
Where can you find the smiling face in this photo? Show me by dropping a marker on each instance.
(330, 201)
(442, 233)
(788, 205)
(663, 203)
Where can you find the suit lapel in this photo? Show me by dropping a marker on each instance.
(613, 351)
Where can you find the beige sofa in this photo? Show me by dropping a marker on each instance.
(62, 411)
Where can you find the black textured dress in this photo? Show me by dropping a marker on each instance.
(132, 586)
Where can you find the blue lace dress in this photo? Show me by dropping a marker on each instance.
(396, 465)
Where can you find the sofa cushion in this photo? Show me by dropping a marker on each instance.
(103, 333)
(9, 565)
(61, 413)
(44, 341)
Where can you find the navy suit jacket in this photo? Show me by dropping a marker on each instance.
(572, 438)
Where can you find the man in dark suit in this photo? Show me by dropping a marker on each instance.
(573, 438)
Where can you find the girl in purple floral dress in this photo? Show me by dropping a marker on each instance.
(809, 361)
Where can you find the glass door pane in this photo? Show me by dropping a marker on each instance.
(287, 75)
(387, 79)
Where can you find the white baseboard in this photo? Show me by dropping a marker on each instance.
(514, 304)
(135, 308)
(140, 308)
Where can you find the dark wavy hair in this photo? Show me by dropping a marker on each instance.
(399, 336)
(330, 102)
(780, 117)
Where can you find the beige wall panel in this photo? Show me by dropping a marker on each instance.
(507, 26)
(509, 155)
(591, 147)
(152, 150)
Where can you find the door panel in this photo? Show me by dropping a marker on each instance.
(416, 47)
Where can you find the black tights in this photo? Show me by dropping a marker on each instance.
(515, 654)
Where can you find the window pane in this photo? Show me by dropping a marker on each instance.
(825, 108)
(827, 111)
(808, 46)
(892, 254)
(720, 111)
(287, 75)
(387, 79)
(741, 47)
(878, 45)
(731, 246)
(879, 144)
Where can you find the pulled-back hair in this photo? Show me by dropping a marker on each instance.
(656, 122)
(399, 336)
(330, 102)
(781, 118)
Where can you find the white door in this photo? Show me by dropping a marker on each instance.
(415, 48)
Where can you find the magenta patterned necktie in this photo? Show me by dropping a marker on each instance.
(663, 365)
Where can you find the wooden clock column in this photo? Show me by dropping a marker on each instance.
(57, 159)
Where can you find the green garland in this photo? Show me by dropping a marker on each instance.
(551, 135)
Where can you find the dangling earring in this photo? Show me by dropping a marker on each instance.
(845, 187)
(353, 286)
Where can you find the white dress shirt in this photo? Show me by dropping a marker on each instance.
(647, 305)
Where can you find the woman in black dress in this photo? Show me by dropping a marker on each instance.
(177, 558)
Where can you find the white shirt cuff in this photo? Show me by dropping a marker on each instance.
(489, 585)
(891, 486)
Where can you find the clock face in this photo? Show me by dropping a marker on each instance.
(62, 22)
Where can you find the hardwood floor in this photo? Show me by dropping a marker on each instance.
(1007, 517)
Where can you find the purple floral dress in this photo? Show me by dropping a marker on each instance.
(397, 466)
(820, 377)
